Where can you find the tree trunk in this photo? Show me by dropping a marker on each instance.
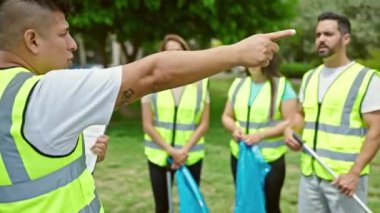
(81, 50)
(103, 52)
(115, 51)
(130, 50)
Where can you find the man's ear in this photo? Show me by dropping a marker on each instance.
(32, 41)
(346, 38)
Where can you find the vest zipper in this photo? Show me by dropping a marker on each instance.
(316, 128)
(247, 124)
(174, 126)
(249, 109)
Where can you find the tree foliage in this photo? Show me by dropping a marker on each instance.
(365, 21)
(145, 22)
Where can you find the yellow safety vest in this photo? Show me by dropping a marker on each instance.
(177, 124)
(334, 128)
(257, 117)
(31, 181)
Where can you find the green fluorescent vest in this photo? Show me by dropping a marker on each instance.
(334, 128)
(29, 180)
(259, 119)
(182, 125)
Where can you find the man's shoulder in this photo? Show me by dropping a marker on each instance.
(312, 70)
(358, 67)
(371, 69)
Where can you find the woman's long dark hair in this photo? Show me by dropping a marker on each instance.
(271, 72)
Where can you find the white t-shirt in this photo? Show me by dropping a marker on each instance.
(65, 102)
(371, 101)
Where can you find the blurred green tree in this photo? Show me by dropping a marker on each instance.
(143, 23)
(365, 33)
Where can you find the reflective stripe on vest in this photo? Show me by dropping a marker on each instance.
(178, 126)
(271, 144)
(33, 187)
(256, 125)
(271, 148)
(236, 90)
(93, 207)
(189, 113)
(340, 130)
(334, 155)
(307, 81)
(7, 143)
(344, 129)
(153, 145)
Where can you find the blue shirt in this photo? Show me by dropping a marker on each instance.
(289, 92)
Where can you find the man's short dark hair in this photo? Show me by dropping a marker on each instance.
(18, 15)
(344, 25)
(53, 5)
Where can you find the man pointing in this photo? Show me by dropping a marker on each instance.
(43, 112)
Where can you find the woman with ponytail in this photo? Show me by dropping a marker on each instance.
(258, 108)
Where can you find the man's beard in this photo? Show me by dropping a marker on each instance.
(327, 52)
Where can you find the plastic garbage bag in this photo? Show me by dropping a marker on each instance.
(251, 172)
(190, 197)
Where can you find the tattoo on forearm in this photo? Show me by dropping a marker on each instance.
(128, 94)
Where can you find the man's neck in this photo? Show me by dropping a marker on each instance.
(336, 61)
(8, 59)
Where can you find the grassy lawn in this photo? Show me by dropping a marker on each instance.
(123, 182)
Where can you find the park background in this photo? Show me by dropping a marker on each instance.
(115, 32)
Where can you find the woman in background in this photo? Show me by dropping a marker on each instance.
(174, 123)
(257, 111)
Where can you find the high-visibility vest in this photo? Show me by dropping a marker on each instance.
(177, 124)
(257, 117)
(31, 181)
(334, 128)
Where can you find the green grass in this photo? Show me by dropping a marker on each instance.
(123, 182)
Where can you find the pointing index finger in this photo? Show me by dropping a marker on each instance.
(280, 34)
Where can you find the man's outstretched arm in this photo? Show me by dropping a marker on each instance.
(170, 69)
